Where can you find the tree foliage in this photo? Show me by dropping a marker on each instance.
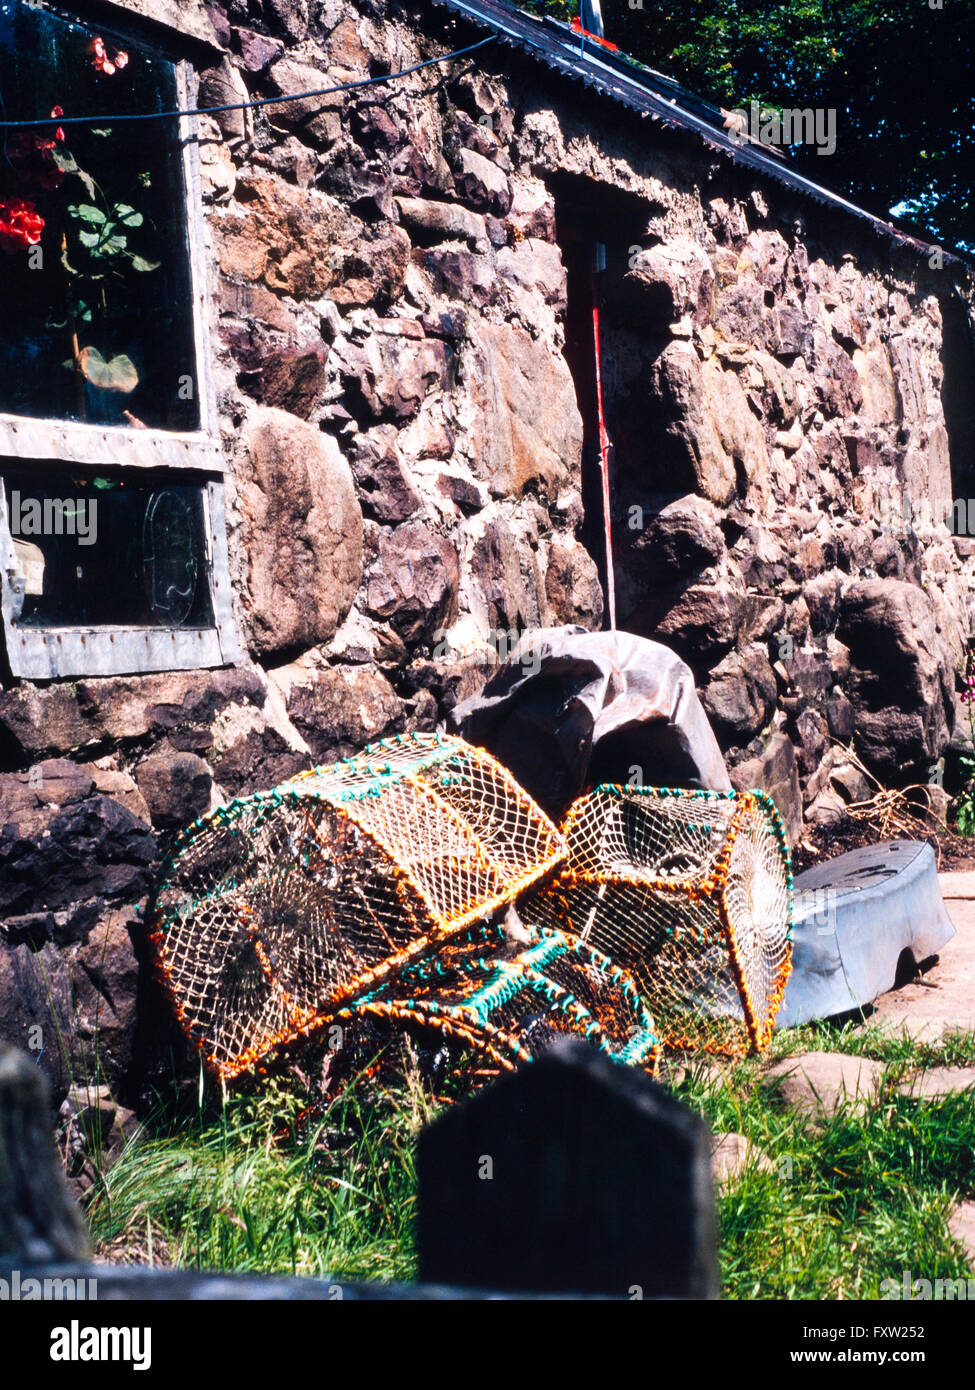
(898, 73)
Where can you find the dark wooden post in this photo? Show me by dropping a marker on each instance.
(574, 1175)
(39, 1221)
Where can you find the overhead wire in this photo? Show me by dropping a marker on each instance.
(180, 112)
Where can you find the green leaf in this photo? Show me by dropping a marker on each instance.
(141, 264)
(101, 130)
(113, 245)
(103, 484)
(89, 239)
(116, 374)
(87, 213)
(128, 216)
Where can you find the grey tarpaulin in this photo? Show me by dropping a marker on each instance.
(854, 918)
(570, 709)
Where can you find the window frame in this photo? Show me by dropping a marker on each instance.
(52, 652)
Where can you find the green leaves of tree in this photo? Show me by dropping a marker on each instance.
(898, 75)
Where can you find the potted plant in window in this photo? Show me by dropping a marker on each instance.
(96, 250)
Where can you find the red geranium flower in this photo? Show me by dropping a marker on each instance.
(20, 225)
(32, 155)
(101, 60)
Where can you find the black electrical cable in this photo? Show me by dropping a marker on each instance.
(243, 105)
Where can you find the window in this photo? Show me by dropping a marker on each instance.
(112, 534)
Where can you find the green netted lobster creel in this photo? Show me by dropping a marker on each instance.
(692, 892)
(504, 994)
(278, 908)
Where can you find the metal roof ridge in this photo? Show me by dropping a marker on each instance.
(630, 83)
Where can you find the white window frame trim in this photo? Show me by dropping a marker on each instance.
(50, 653)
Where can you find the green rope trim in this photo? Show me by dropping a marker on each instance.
(620, 789)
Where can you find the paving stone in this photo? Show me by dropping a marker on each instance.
(815, 1082)
(959, 884)
(711, 1073)
(935, 1031)
(942, 1001)
(937, 1082)
(961, 1225)
(732, 1153)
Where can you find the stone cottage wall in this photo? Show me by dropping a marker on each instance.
(388, 298)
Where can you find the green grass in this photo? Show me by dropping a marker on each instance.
(240, 1185)
(851, 1200)
(232, 1183)
(870, 1040)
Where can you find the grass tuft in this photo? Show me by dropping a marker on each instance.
(251, 1189)
(239, 1183)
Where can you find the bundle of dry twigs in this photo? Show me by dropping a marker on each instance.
(907, 812)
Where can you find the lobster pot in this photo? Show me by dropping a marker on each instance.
(505, 1001)
(692, 892)
(278, 908)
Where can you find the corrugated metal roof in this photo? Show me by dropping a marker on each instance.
(659, 98)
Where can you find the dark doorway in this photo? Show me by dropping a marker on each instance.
(958, 397)
(598, 227)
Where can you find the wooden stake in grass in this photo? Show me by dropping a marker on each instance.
(39, 1221)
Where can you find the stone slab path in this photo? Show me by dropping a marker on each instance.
(938, 1082)
(823, 1081)
(962, 1227)
(732, 1153)
(942, 1001)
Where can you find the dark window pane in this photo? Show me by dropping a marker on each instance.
(95, 320)
(126, 549)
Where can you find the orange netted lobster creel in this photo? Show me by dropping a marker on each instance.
(691, 891)
(279, 908)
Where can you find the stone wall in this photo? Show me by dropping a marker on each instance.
(388, 315)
